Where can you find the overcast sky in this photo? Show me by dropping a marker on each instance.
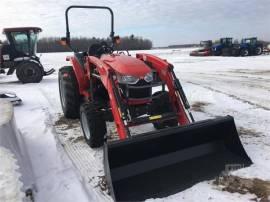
(165, 22)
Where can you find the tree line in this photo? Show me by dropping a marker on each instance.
(51, 44)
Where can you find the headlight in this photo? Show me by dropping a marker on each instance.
(148, 77)
(127, 79)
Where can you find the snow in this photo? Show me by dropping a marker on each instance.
(10, 184)
(56, 179)
(205, 192)
(66, 169)
(6, 112)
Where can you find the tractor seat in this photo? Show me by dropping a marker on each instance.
(93, 49)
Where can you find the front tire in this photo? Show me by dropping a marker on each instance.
(258, 50)
(244, 52)
(29, 72)
(216, 52)
(161, 105)
(69, 92)
(93, 125)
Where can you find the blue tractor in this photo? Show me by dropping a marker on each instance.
(224, 47)
(250, 46)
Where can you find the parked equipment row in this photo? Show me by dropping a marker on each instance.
(226, 47)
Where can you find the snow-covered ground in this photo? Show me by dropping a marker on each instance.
(66, 169)
(10, 184)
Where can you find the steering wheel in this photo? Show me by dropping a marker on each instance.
(123, 52)
(104, 48)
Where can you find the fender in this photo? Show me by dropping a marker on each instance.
(83, 82)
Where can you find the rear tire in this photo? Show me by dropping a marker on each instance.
(93, 125)
(161, 105)
(29, 72)
(69, 92)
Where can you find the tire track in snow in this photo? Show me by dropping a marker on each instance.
(230, 95)
(88, 161)
(252, 82)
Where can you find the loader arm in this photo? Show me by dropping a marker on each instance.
(177, 95)
(105, 74)
(135, 167)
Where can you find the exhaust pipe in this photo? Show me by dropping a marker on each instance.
(164, 162)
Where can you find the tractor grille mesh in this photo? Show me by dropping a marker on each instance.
(136, 92)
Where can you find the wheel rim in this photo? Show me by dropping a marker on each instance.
(85, 126)
(245, 52)
(259, 51)
(29, 72)
(62, 93)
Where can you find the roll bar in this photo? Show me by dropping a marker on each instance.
(88, 7)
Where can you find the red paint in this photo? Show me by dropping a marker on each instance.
(125, 65)
(162, 68)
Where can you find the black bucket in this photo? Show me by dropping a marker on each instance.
(164, 162)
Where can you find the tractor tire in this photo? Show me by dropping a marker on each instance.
(93, 125)
(216, 53)
(244, 52)
(258, 50)
(29, 72)
(226, 52)
(161, 105)
(235, 52)
(69, 92)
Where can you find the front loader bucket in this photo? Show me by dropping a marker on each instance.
(164, 162)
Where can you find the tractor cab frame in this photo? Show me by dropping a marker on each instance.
(206, 44)
(205, 49)
(19, 53)
(251, 41)
(224, 47)
(23, 40)
(248, 47)
(226, 41)
(251, 46)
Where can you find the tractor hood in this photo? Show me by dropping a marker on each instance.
(217, 46)
(126, 65)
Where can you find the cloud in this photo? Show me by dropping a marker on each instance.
(165, 22)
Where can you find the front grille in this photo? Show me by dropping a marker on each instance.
(129, 92)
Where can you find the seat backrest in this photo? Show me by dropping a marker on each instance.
(93, 49)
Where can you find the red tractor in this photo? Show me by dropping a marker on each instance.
(205, 51)
(103, 86)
